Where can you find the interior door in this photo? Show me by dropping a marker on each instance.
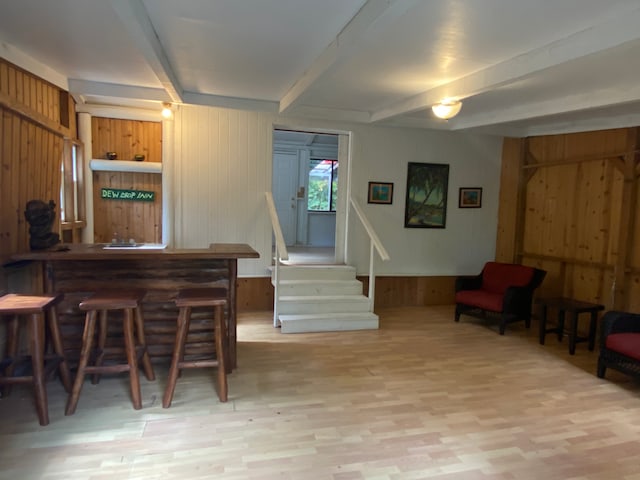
(284, 188)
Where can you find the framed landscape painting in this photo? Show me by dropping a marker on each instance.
(426, 201)
(470, 197)
(380, 192)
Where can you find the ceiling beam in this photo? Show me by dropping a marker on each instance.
(592, 40)
(136, 21)
(564, 106)
(374, 15)
(102, 89)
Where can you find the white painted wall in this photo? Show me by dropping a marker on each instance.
(222, 167)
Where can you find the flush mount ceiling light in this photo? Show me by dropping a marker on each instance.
(166, 110)
(447, 109)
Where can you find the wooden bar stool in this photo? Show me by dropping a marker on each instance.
(134, 342)
(186, 300)
(36, 308)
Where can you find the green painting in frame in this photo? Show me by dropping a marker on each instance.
(426, 200)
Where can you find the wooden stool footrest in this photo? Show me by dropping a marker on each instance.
(198, 364)
(108, 368)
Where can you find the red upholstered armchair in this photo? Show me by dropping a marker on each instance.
(619, 343)
(504, 290)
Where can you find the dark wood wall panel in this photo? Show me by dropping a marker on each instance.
(161, 279)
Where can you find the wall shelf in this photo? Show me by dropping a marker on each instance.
(125, 166)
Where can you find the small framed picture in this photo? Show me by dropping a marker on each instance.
(470, 197)
(380, 192)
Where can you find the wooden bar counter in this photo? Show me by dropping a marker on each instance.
(84, 268)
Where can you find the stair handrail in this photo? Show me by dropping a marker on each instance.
(280, 254)
(375, 245)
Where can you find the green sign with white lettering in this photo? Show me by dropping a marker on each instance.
(132, 195)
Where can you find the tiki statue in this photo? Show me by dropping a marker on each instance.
(41, 216)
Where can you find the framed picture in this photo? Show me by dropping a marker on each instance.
(470, 197)
(426, 202)
(380, 192)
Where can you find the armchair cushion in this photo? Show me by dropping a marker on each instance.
(625, 343)
(619, 343)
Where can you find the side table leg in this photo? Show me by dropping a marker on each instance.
(592, 330)
(560, 325)
(573, 333)
(543, 325)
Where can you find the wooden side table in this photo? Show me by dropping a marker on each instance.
(575, 308)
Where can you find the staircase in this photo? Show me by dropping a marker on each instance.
(322, 298)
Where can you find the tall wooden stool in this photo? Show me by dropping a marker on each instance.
(36, 308)
(186, 300)
(134, 342)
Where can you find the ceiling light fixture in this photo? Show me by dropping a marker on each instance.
(166, 110)
(447, 109)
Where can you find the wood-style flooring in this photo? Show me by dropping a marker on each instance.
(423, 397)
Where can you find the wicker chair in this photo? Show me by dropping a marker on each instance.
(503, 290)
(620, 343)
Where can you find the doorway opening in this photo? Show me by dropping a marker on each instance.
(308, 181)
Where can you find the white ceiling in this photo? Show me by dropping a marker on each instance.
(521, 67)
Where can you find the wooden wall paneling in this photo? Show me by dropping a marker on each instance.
(627, 219)
(254, 294)
(141, 221)
(512, 161)
(580, 215)
(411, 291)
(127, 138)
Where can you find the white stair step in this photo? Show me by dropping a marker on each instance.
(292, 304)
(320, 287)
(316, 272)
(328, 322)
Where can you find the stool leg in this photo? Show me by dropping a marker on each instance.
(132, 359)
(13, 340)
(102, 340)
(56, 339)
(178, 352)
(146, 361)
(221, 353)
(36, 347)
(85, 352)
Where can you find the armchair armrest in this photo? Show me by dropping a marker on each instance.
(468, 283)
(619, 322)
(517, 300)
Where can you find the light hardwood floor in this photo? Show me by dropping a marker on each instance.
(423, 397)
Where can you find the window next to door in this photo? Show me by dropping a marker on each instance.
(323, 185)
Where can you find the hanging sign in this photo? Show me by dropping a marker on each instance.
(132, 195)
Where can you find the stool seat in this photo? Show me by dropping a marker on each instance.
(113, 300)
(187, 299)
(201, 297)
(102, 302)
(40, 310)
(18, 304)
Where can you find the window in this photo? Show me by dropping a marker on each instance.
(323, 185)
